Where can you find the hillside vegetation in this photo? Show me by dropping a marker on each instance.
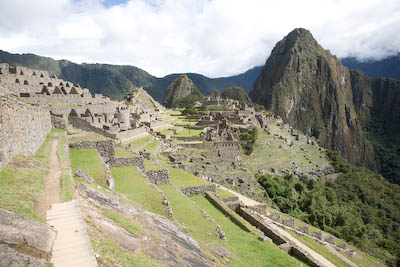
(358, 206)
(116, 80)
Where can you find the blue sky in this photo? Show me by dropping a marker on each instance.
(212, 37)
(110, 3)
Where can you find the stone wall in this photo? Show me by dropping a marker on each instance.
(77, 122)
(258, 222)
(58, 122)
(198, 190)
(159, 176)
(23, 128)
(132, 161)
(231, 214)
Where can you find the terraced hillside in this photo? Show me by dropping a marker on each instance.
(278, 151)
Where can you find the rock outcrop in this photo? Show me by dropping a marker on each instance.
(312, 91)
(23, 242)
(181, 93)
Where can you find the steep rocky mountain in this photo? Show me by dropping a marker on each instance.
(312, 90)
(115, 80)
(237, 93)
(181, 93)
(388, 67)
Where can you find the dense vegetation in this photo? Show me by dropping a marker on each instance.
(115, 80)
(247, 140)
(237, 93)
(182, 93)
(359, 206)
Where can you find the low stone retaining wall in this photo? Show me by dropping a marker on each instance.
(159, 176)
(230, 213)
(132, 161)
(198, 190)
(258, 222)
(230, 199)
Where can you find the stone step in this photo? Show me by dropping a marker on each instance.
(71, 246)
(87, 261)
(66, 255)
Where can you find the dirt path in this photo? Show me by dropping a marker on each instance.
(247, 201)
(343, 258)
(52, 191)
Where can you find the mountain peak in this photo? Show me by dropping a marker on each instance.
(181, 93)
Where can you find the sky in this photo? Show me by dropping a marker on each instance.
(213, 37)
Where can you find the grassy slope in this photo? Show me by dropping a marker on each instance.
(131, 183)
(89, 161)
(23, 180)
(122, 153)
(249, 251)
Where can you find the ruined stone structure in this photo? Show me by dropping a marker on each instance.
(23, 128)
(198, 190)
(38, 87)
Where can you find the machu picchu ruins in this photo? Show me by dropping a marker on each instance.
(210, 177)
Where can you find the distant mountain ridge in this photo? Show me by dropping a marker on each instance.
(116, 80)
(388, 67)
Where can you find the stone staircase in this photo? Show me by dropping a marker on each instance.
(71, 246)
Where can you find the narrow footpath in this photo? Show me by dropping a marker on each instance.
(52, 190)
(71, 246)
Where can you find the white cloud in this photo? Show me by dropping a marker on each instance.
(215, 38)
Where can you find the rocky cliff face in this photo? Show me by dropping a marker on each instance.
(181, 93)
(310, 89)
(347, 110)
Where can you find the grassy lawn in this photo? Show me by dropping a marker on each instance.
(67, 189)
(149, 166)
(224, 194)
(132, 184)
(181, 178)
(249, 251)
(152, 146)
(122, 153)
(98, 137)
(187, 213)
(189, 132)
(88, 160)
(22, 181)
(138, 143)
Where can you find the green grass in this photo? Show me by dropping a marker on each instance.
(224, 194)
(249, 251)
(80, 139)
(124, 222)
(187, 213)
(67, 189)
(138, 143)
(181, 178)
(320, 249)
(189, 132)
(122, 153)
(149, 166)
(130, 182)
(22, 181)
(113, 255)
(89, 161)
(152, 146)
